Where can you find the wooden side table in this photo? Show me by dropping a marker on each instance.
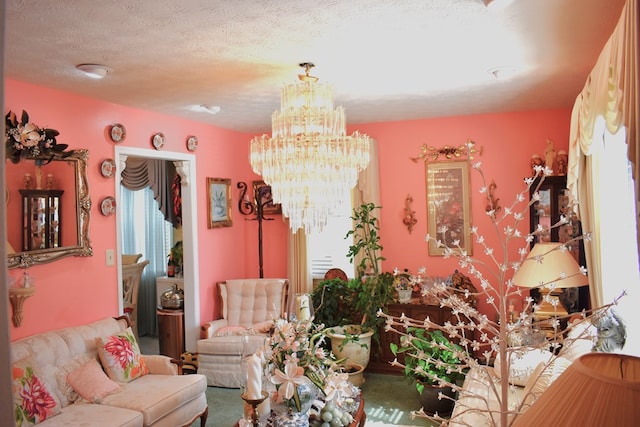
(171, 332)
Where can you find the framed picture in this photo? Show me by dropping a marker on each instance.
(263, 195)
(449, 205)
(219, 199)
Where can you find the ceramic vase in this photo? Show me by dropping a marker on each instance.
(404, 296)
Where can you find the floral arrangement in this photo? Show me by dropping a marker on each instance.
(404, 281)
(296, 359)
(24, 139)
(476, 332)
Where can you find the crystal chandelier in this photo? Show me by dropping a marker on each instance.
(309, 161)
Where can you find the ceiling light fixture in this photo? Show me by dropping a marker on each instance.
(95, 71)
(211, 109)
(496, 4)
(504, 72)
(309, 161)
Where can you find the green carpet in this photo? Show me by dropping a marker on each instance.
(388, 401)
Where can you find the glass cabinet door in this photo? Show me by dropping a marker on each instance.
(41, 219)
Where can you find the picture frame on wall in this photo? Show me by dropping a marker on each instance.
(219, 202)
(448, 206)
(264, 196)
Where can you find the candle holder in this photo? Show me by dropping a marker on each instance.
(255, 417)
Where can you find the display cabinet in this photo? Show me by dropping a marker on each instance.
(41, 219)
(554, 202)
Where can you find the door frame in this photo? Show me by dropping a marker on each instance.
(187, 171)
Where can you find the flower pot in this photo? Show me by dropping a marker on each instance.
(430, 402)
(350, 343)
(404, 296)
(356, 374)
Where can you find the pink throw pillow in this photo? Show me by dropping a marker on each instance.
(90, 382)
(120, 356)
(33, 402)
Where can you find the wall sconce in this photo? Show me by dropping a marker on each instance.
(17, 296)
(409, 218)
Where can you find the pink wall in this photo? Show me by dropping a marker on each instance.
(76, 290)
(507, 142)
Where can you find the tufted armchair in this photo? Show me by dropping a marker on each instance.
(248, 308)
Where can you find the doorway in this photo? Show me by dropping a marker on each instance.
(185, 166)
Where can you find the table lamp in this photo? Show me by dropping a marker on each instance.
(597, 389)
(547, 264)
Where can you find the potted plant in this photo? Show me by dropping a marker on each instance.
(175, 260)
(428, 360)
(371, 291)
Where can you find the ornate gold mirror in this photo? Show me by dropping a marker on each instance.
(48, 208)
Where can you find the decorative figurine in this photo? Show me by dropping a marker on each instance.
(536, 160)
(562, 161)
(550, 155)
(28, 181)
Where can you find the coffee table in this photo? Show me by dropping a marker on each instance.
(359, 418)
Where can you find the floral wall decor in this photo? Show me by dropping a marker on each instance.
(24, 139)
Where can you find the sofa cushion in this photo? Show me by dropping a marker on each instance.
(121, 357)
(67, 394)
(581, 338)
(33, 400)
(89, 414)
(90, 381)
(157, 395)
(523, 363)
(542, 377)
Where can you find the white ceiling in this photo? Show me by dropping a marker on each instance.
(387, 59)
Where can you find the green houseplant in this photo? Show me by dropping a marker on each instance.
(433, 363)
(370, 291)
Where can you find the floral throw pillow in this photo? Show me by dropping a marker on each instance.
(120, 356)
(33, 402)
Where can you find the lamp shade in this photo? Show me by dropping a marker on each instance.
(549, 263)
(598, 389)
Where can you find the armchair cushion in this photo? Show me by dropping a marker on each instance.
(246, 302)
(231, 330)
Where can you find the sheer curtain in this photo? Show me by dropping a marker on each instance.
(603, 141)
(145, 231)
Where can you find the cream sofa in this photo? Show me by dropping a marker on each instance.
(248, 308)
(531, 371)
(160, 398)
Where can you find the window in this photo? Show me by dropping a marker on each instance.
(329, 248)
(617, 224)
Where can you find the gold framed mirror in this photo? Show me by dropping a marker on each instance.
(61, 173)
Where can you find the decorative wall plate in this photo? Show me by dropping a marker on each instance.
(192, 143)
(107, 168)
(158, 141)
(108, 206)
(118, 133)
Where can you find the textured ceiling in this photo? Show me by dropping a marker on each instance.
(387, 59)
